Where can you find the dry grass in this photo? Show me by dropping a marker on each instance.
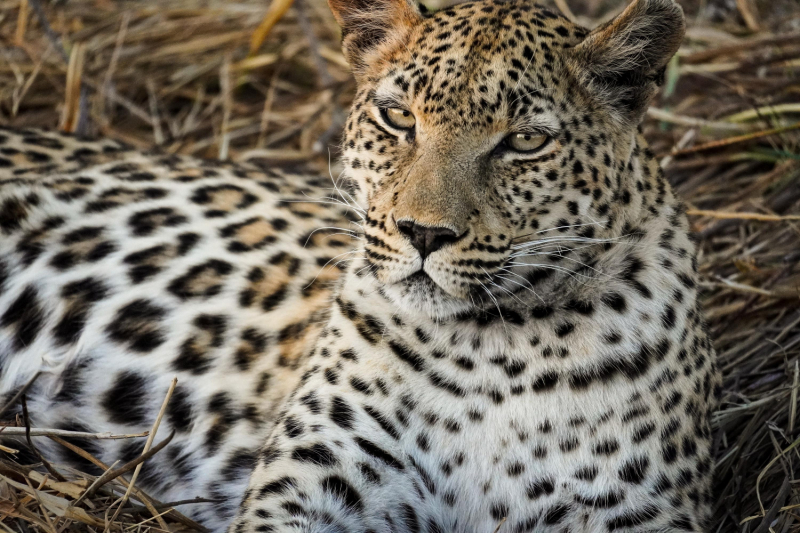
(178, 73)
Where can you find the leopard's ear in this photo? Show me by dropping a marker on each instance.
(368, 24)
(622, 63)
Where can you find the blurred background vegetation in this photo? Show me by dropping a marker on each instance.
(184, 75)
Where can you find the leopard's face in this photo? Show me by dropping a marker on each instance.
(482, 158)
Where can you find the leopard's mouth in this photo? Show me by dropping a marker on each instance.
(420, 277)
(418, 282)
(422, 283)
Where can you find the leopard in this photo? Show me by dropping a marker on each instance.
(489, 323)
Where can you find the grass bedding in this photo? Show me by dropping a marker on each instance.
(246, 79)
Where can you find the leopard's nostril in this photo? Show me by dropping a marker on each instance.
(426, 239)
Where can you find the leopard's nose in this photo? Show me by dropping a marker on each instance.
(426, 239)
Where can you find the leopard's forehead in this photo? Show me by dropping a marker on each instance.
(492, 33)
(493, 62)
(490, 26)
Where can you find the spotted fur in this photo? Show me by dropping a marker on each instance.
(515, 346)
(119, 271)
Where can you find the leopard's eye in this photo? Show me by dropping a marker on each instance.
(526, 143)
(401, 119)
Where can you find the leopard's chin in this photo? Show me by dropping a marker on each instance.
(420, 280)
(419, 293)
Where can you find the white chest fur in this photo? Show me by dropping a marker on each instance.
(580, 413)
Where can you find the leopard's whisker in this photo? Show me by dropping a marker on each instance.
(564, 239)
(510, 293)
(595, 223)
(593, 242)
(339, 231)
(600, 272)
(566, 271)
(529, 288)
(368, 266)
(323, 267)
(490, 277)
(329, 201)
(339, 191)
(348, 198)
(496, 303)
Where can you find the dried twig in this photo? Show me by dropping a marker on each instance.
(692, 122)
(749, 14)
(141, 495)
(147, 445)
(277, 9)
(14, 399)
(48, 30)
(227, 108)
(565, 10)
(40, 432)
(33, 448)
(313, 43)
(76, 116)
(735, 140)
(338, 115)
(22, 23)
(110, 475)
(741, 216)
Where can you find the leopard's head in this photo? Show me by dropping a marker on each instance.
(492, 140)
